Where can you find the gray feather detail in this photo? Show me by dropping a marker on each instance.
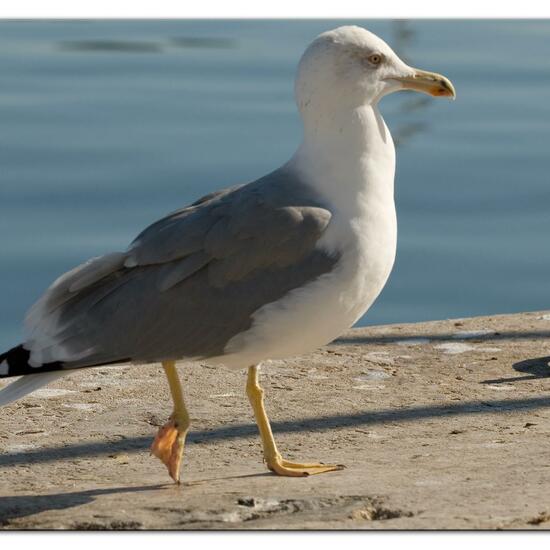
(220, 242)
(179, 234)
(176, 272)
(191, 281)
(71, 283)
(95, 269)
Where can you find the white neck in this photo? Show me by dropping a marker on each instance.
(346, 154)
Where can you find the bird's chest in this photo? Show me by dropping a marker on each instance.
(366, 244)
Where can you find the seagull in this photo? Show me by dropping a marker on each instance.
(262, 271)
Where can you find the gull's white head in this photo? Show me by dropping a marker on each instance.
(349, 67)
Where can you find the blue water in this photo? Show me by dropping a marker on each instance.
(106, 126)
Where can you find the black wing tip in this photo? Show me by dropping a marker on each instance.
(15, 362)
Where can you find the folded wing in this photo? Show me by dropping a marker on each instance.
(189, 282)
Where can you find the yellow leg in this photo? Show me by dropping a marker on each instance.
(275, 462)
(170, 440)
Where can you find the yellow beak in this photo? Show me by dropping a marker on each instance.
(428, 83)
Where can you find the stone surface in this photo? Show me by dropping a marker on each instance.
(441, 425)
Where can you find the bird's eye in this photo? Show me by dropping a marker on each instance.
(375, 58)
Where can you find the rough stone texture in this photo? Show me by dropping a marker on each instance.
(441, 425)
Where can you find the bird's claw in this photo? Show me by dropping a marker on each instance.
(282, 467)
(168, 447)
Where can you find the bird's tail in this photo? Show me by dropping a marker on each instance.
(27, 384)
(15, 362)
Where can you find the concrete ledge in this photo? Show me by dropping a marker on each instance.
(441, 425)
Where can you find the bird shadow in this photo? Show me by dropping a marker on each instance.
(240, 431)
(20, 506)
(536, 368)
(14, 507)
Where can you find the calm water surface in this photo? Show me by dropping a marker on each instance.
(106, 126)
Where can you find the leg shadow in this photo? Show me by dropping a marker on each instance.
(321, 423)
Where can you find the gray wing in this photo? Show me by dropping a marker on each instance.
(189, 282)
